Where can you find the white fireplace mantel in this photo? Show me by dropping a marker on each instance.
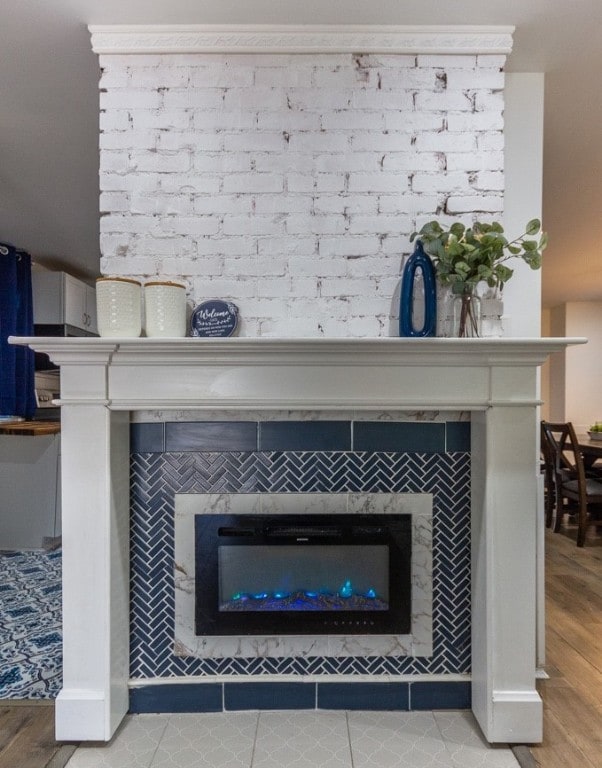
(102, 380)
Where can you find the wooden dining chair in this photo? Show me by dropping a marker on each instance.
(548, 471)
(582, 494)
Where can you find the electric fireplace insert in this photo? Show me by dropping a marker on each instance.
(302, 574)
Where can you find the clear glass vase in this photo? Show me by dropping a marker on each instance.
(467, 315)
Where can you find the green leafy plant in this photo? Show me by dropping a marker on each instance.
(466, 256)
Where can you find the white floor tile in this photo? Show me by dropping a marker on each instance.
(302, 740)
(466, 744)
(210, 740)
(396, 740)
(133, 746)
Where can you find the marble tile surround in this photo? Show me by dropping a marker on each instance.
(418, 643)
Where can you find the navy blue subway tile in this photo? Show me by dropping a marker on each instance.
(405, 436)
(180, 697)
(238, 696)
(147, 437)
(440, 695)
(305, 436)
(372, 696)
(210, 436)
(458, 436)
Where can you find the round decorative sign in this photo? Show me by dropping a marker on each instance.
(214, 318)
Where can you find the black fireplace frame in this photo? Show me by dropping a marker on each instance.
(392, 530)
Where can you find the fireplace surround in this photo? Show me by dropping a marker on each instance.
(103, 380)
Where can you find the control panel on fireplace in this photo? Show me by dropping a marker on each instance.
(302, 574)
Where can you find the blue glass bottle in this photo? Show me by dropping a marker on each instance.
(418, 260)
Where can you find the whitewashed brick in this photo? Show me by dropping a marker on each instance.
(113, 245)
(192, 182)
(114, 120)
(348, 162)
(160, 162)
(187, 225)
(409, 203)
(447, 61)
(364, 225)
(163, 246)
(116, 78)
(378, 182)
(443, 101)
(441, 182)
(289, 121)
(254, 99)
(382, 101)
(114, 162)
(219, 120)
(477, 79)
(398, 244)
(283, 203)
(331, 182)
(161, 120)
(487, 101)
(273, 287)
(369, 266)
(490, 140)
(473, 161)
(127, 223)
(222, 204)
(477, 121)
(347, 286)
(349, 120)
(253, 225)
(297, 224)
(279, 77)
(276, 162)
(159, 77)
(341, 77)
(128, 140)
(386, 141)
(253, 182)
(229, 289)
(388, 60)
(345, 204)
(130, 99)
(198, 142)
(413, 122)
(317, 100)
(255, 142)
(445, 142)
(349, 247)
(144, 203)
(304, 266)
(193, 98)
(221, 163)
(319, 142)
(224, 75)
(476, 203)
(489, 180)
(413, 161)
(409, 80)
(114, 202)
(491, 61)
(305, 286)
(300, 182)
(276, 246)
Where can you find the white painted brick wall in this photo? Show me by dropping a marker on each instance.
(291, 184)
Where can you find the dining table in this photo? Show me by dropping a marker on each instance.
(591, 450)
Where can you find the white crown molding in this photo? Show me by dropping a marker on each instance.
(257, 38)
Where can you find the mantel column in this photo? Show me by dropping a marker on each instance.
(95, 508)
(504, 506)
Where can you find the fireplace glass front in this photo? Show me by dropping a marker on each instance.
(291, 574)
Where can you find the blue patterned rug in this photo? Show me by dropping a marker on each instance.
(30, 625)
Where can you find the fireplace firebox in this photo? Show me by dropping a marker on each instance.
(302, 574)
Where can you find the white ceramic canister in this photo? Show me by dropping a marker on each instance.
(119, 307)
(165, 309)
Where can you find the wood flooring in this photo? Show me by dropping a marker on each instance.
(572, 695)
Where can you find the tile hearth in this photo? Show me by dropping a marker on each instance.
(308, 739)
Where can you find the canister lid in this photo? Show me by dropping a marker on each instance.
(164, 282)
(118, 280)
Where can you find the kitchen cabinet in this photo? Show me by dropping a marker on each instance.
(62, 301)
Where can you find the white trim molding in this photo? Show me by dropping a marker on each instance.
(275, 38)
